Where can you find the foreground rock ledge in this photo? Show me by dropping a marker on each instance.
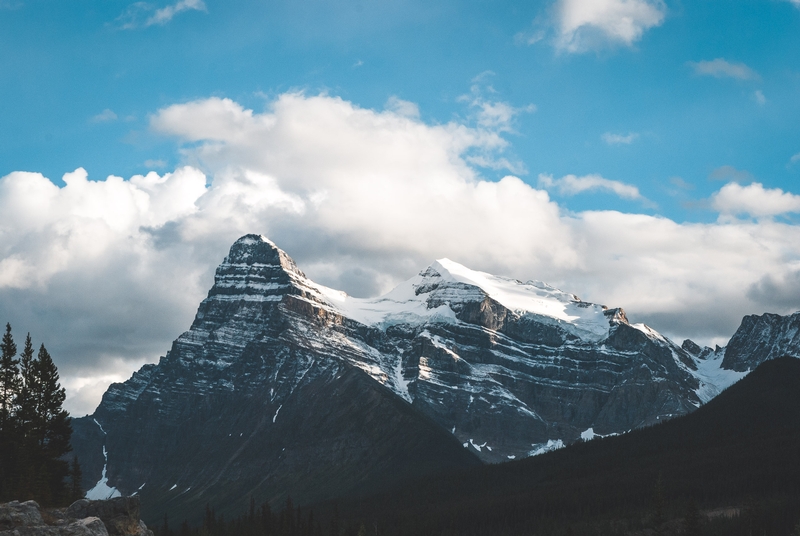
(113, 517)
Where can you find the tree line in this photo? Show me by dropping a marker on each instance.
(257, 521)
(35, 429)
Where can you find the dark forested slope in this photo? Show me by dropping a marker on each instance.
(741, 450)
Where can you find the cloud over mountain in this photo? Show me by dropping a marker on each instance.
(108, 272)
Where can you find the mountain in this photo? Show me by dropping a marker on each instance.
(760, 338)
(282, 385)
(734, 457)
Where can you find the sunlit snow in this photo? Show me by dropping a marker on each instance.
(541, 448)
(403, 304)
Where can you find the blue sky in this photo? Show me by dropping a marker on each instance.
(639, 153)
(62, 64)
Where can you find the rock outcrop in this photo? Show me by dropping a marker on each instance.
(115, 517)
(761, 338)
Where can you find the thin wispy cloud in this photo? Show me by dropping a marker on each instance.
(402, 107)
(489, 113)
(759, 97)
(730, 173)
(143, 14)
(620, 139)
(722, 68)
(155, 164)
(105, 116)
(680, 183)
(588, 24)
(795, 158)
(573, 185)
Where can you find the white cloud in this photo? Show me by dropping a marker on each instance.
(107, 273)
(617, 139)
(754, 200)
(105, 116)
(587, 24)
(722, 68)
(165, 14)
(795, 157)
(143, 14)
(402, 107)
(759, 97)
(572, 185)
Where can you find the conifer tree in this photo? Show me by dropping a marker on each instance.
(25, 417)
(51, 430)
(9, 387)
(9, 378)
(75, 476)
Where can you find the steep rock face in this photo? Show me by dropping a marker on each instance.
(285, 386)
(260, 398)
(761, 338)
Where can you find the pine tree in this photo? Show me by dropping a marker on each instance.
(51, 430)
(9, 389)
(75, 477)
(9, 378)
(25, 418)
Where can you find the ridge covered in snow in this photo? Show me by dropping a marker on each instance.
(445, 282)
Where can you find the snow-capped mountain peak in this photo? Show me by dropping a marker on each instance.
(443, 287)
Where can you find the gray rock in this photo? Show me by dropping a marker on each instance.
(82, 518)
(761, 338)
(16, 514)
(120, 515)
(90, 526)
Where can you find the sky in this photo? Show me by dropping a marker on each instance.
(639, 153)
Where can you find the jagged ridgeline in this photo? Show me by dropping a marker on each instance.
(283, 386)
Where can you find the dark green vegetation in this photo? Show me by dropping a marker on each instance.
(739, 454)
(34, 428)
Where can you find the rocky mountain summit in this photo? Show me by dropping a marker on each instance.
(282, 385)
(115, 517)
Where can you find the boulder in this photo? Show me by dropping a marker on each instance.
(113, 517)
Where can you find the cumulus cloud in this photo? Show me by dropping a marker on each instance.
(107, 273)
(722, 68)
(143, 14)
(754, 200)
(572, 185)
(587, 24)
(617, 139)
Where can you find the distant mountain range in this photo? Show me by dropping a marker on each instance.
(283, 386)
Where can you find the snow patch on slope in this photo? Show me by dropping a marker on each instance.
(102, 490)
(712, 377)
(541, 448)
